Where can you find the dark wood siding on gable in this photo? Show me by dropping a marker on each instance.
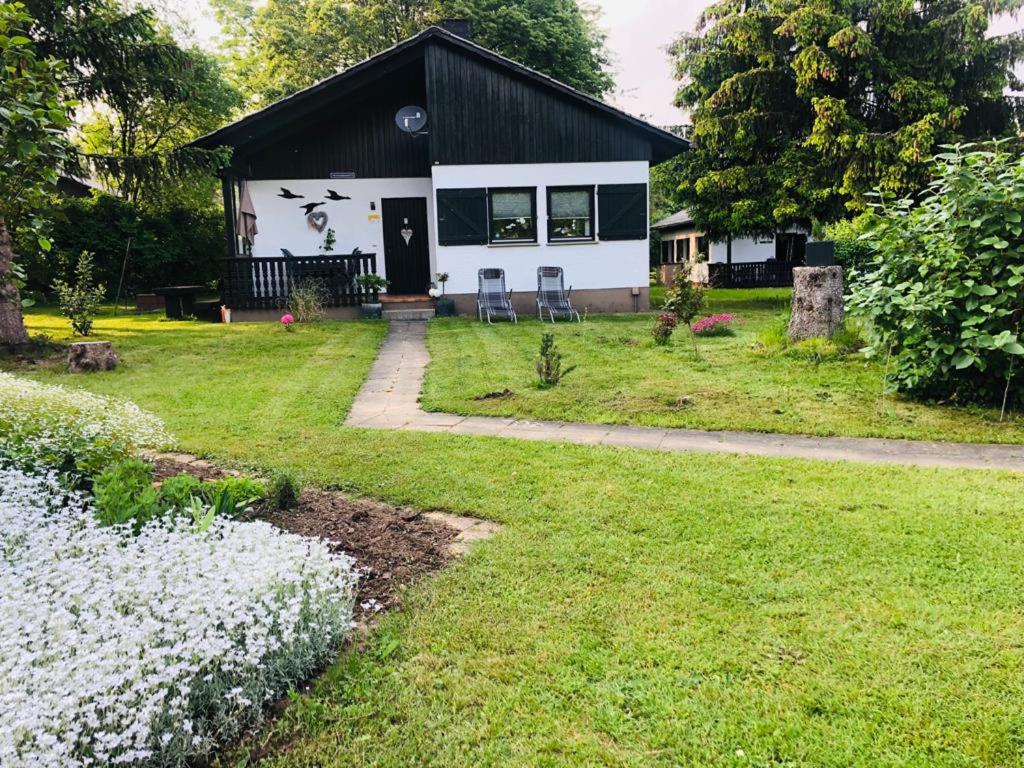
(354, 133)
(480, 113)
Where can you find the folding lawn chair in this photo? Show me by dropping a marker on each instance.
(552, 296)
(491, 298)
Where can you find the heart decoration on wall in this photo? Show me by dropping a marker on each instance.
(317, 220)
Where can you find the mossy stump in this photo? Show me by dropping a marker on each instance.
(817, 302)
(89, 356)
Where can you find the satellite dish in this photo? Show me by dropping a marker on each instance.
(411, 119)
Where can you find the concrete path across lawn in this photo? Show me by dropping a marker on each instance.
(389, 399)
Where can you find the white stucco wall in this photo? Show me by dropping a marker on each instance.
(598, 264)
(282, 223)
(744, 250)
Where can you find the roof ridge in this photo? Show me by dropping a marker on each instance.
(439, 32)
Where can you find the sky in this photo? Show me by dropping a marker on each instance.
(638, 31)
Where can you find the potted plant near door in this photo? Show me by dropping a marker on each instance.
(372, 284)
(443, 306)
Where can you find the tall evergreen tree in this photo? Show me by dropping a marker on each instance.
(801, 107)
(280, 46)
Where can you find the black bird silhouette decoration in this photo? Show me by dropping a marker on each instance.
(332, 195)
(287, 194)
(308, 207)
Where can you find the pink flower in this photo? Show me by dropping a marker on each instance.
(287, 319)
(713, 323)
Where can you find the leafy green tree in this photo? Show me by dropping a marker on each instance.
(33, 123)
(146, 96)
(945, 292)
(801, 107)
(149, 119)
(280, 46)
(556, 37)
(686, 299)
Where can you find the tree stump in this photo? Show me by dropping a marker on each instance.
(85, 356)
(817, 302)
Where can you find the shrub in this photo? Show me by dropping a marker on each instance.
(308, 301)
(944, 296)
(371, 281)
(179, 490)
(242, 492)
(284, 489)
(72, 431)
(80, 300)
(663, 327)
(549, 362)
(714, 325)
(164, 245)
(154, 649)
(124, 493)
(853, 252)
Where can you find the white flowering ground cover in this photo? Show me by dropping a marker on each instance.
(150, 649)
(44, 425)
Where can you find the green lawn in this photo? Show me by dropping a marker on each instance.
(638, 609)
(622, 377)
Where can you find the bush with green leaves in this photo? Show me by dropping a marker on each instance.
(284, 489)
(146, 248)
(124, 493)
(663, 328)
(944, 296)
(853, 252)
(80, 299)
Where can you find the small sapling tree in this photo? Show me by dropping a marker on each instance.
(686, 299)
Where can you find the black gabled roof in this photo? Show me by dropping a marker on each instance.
(270, 117)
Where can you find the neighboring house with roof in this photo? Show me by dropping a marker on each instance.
(760, 260)
(438, 155)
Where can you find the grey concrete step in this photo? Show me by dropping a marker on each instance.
(408, 314)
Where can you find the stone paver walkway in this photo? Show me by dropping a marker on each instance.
(389, 399)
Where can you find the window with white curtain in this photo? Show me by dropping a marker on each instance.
(513, 215)
(570, 213)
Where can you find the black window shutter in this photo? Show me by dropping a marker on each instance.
(622, 211)
(462, 216)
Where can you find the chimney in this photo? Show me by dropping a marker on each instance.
(458, 27)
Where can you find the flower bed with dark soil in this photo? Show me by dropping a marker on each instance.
(392, 546)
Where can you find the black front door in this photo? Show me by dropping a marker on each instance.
(406, 256)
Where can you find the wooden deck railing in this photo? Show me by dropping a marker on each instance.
(757, 274)
(266, 282)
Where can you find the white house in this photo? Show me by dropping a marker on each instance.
(439, 156)
(762, 260)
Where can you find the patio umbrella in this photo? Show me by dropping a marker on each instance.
(246, 224)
